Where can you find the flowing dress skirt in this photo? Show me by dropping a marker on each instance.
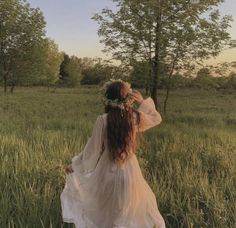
(110, 197)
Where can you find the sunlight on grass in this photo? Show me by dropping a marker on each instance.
(189, 160)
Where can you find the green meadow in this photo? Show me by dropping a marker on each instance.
(189, 160)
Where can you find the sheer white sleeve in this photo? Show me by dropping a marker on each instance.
(87, 160)
(149, 116)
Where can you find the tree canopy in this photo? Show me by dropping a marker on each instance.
(169, 35)
(21, 30)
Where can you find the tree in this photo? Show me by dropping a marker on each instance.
(204, 79)
(26, 68)
(97, 74)
(87, 63)
(231, 83)
(63, 72)
(204, 72)
(168, 34)
(21, 29)
(50, 65)
(73, 70)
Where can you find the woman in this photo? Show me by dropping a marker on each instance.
(105, 187)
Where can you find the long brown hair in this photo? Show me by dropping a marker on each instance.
(121, 135)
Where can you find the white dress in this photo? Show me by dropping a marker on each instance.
(102, 194)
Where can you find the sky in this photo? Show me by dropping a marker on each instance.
(69, 23)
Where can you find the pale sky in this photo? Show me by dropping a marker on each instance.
(69, 23)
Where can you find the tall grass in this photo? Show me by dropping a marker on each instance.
(189, 160)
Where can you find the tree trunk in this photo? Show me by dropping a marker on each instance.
(6, 72)
(154, 83)
(156, 69)
(156, 60)
(149, 64)
(166, 99)
(168, 86)
(12, 88)
(5, 82)
(147, 85)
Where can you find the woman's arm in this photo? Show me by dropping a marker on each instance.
(87, 160)
(149, 116)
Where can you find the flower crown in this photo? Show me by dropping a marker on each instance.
(128, 101)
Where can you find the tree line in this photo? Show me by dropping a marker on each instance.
(221, 77)
(158, 43)
(29, 58)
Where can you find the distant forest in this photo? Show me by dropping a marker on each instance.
(29, 58)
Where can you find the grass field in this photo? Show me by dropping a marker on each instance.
(189, 160)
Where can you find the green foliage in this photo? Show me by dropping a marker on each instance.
(87, 63)
(178, 81)
(140, 74)
(204, 79)
(51, 60)
(168, 34)
(102, 71)
(70, 71)
(204, 72)
(74, 71)
(64, 75)
(21, 30)
(231, 82)
(96, 74)
(189, 160)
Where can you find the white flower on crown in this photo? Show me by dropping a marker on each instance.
(128, 101)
